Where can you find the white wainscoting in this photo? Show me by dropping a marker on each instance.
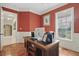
(72, 45)
(20, 35)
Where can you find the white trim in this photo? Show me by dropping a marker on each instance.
(2, 21)
(34, 12)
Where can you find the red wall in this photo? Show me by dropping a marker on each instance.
(23, 22)
(28, 21)
(76, 20)
(35, 21)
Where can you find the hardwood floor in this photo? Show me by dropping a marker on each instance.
(66, 52)
(14, 50)
(19, 50)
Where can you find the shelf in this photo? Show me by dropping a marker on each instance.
(31, 53)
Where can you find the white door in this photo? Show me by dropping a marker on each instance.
(1, 32)
(0, 28)
(8, 28)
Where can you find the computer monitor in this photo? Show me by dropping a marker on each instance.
(39, 32)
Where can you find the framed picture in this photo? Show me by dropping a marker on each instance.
(46, 20)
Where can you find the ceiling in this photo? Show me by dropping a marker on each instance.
(39, 8)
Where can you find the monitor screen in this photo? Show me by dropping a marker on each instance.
(39, 32)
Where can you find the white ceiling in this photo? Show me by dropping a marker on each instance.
(39, 8)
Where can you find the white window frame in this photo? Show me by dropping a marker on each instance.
(72, 22)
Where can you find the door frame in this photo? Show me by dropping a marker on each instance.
(13, 40)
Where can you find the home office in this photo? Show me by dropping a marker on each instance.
(43, 29)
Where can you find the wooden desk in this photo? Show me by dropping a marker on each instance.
(35, 47)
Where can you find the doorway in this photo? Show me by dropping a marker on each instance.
(8, 28)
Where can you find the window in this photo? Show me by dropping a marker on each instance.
(64, 24)
(64, 27)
